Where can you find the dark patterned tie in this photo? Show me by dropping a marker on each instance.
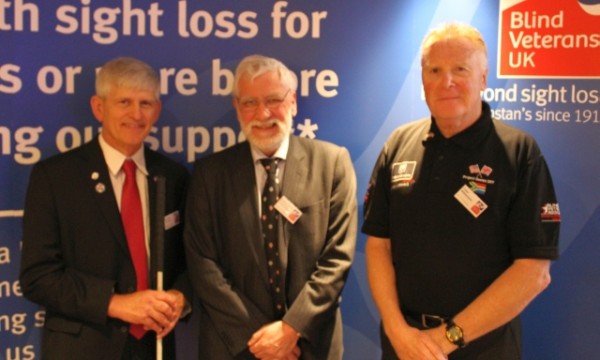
(269, 222)
(131, 215)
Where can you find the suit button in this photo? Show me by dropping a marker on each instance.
(124, 329)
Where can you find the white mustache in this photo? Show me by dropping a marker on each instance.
(264, 123)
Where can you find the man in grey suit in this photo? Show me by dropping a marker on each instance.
(227, 245)
(76, 261)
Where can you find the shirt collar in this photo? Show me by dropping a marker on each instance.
(471, 136)
(114, 159)
(281, 153)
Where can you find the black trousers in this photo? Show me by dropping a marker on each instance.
(142, 349)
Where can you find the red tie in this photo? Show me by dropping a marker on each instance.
(131, 215)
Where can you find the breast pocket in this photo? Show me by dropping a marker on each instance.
(311, 227)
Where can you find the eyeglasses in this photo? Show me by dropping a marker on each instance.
(271, 102)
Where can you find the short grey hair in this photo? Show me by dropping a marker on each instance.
(127, 72)
(455, 30)
(254, 66)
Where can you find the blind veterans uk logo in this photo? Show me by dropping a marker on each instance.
(550, 39)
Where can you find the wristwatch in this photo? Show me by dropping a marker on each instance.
(454, 334)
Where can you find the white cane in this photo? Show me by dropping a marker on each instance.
(159, 244)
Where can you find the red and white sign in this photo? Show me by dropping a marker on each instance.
(549, 39)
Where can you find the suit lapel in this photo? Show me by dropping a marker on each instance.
(101, 187)
(295, 170)
(245, 194)
(295, 174)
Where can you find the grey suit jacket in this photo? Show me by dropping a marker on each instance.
(226, 257)
(75, 253)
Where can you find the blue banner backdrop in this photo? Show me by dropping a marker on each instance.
(358, 64)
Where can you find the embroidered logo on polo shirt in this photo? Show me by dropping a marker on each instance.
(550, 212)
(403, 173)
(477, 180)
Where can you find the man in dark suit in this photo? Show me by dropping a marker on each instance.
(226, 235)
(76, 258)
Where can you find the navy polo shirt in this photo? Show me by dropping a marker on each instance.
(446, 253)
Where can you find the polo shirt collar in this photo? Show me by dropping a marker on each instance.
(471, 136)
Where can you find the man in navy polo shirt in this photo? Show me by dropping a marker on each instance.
(461, 215)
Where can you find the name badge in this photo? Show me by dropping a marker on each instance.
(288, 210)
(172, 220)
(470, 201)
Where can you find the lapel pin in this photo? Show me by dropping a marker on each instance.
(100, 188)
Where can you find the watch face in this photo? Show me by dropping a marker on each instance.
(454, 333)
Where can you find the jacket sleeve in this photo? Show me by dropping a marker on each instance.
(47, 278)
(317, 301)
(233, 314)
